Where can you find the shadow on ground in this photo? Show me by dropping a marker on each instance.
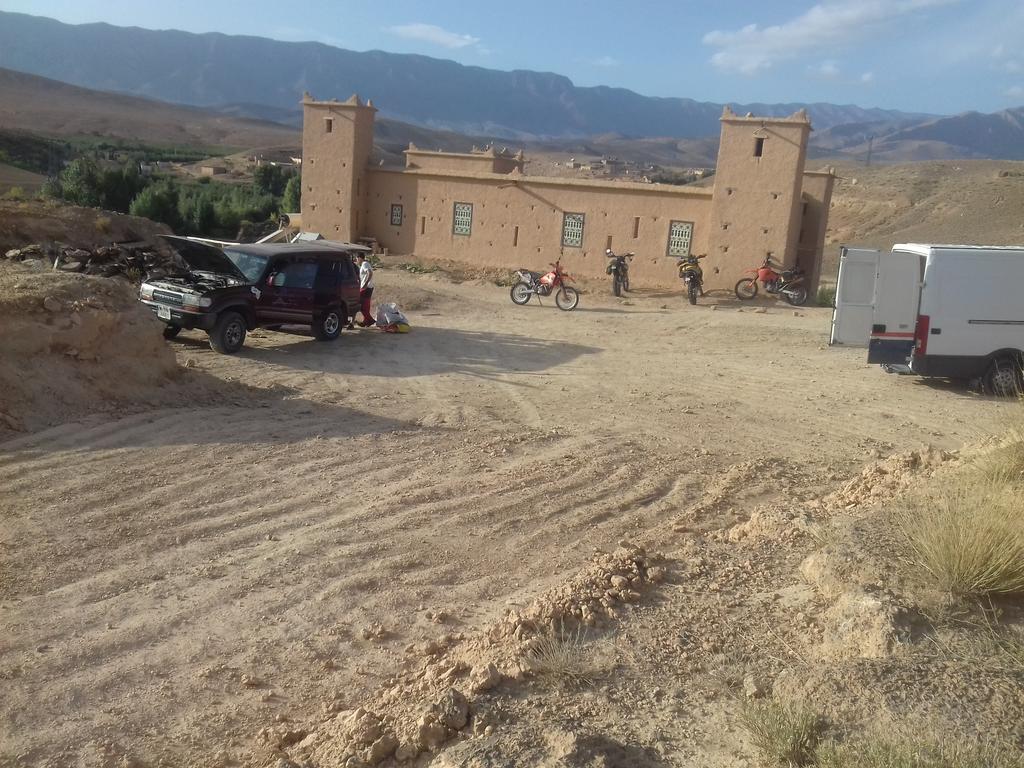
(422, 352)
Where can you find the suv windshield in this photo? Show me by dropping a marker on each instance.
(249, 264)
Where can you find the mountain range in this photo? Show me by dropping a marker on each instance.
(259, 77)
(431, 101)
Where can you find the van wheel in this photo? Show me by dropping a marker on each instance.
(327, 327)
(228, 333)
(1004, 378)
(171, 331)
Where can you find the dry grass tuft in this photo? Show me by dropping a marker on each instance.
(1004, 464)
(569, 656)
(888, 754)
(784, 734)
(969, 537)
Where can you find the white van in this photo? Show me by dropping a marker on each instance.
(949, 311)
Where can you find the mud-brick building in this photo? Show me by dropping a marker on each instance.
(481, 208)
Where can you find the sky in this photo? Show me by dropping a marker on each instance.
(933, 56)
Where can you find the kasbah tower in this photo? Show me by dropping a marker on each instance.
(479, 207)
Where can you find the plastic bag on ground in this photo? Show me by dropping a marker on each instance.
(391, 320)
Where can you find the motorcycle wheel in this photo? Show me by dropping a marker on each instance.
(798, 297)
(625, 282)
(567, 299)
(616, 286)
(691, 292)
(520, 293)
(746, 289)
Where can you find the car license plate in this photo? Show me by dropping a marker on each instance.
(164, 313)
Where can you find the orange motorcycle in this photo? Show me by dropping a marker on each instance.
(529, 284)
(788, 283)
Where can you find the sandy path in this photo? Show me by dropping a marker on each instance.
(152, 562)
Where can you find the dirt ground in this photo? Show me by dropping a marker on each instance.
(183, 581)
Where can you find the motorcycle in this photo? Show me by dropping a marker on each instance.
(692, 275)
(529, 284)
(618, 268)
(787, 282)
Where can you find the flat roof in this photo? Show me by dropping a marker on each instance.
(517, 179)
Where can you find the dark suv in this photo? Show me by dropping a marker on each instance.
(228, 291)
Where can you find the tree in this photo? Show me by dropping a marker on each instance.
(292, 200)
(158, 202)
(80, 183)
(270, 179)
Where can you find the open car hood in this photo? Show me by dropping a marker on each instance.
(201, 257)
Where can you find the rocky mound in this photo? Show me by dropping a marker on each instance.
(72, 345)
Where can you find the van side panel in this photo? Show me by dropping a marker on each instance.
(894, 315)
(972, 297)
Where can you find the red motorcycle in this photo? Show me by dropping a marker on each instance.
(529, 283)
(789, 283)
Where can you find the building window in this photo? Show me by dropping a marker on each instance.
(462, 220)
(396, 214)
(572, 230)
(328, 125)
(758, 146)
(679, 235)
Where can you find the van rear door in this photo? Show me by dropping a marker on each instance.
(894, 317)
(855, 294)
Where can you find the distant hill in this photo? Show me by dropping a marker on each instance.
(248, 75)
(963, 201)
(51, 108)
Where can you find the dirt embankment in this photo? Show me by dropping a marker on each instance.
(73, 345)
(35, 221)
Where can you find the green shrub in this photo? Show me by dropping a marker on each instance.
(826, 296)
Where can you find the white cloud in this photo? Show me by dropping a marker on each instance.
(431, 33)
(752, 49)
(867, 77)
(606, 61)
(1004, 63)
(1015, 92)
(827, 69)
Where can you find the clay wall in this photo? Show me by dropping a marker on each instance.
(517, 220)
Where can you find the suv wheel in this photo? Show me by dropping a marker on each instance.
(171, 331)
(327, 327)
(228, 333)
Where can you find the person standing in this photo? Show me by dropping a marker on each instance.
(365, 289)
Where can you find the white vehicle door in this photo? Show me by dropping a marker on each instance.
(855, 295)
(894, 317)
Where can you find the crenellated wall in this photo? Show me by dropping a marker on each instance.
(479, 207)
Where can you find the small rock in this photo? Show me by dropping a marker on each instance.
(382, 749)
(14, 253)
(619, 582)
(431, 734)
(52, 304)
(250, 681)
(655, 574)
(452, 709)
(761, 311)
(70, 266)
(406, 752)
(484, 678)
(364, 727)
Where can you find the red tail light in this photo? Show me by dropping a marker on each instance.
(921, 335)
